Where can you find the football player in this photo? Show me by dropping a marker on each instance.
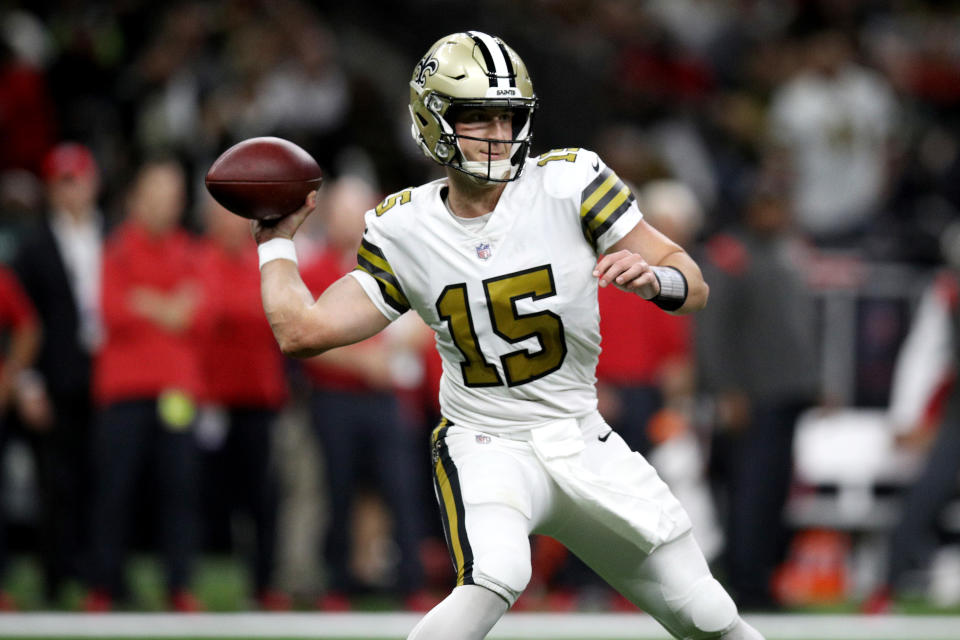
(502, 259)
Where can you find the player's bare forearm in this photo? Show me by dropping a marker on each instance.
(304, 327)
(697, 289)
(628, 267)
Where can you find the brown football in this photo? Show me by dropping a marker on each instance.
(263, 178)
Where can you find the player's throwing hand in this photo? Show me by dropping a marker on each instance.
(284, 227)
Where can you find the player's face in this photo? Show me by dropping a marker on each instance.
(489, 124)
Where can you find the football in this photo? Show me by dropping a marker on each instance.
(263, 178)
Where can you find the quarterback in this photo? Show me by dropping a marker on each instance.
(502, 259)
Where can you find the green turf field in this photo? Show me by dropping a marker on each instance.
(222, 585)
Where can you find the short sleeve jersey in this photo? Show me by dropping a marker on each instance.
(513, 306)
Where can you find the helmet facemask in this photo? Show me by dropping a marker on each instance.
(452, 78)
(451, 152)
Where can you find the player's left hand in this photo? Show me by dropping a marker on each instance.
(627, 271)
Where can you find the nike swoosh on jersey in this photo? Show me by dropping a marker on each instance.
(604, 437)
(596, 165)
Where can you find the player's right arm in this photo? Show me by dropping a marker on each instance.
(303, 326)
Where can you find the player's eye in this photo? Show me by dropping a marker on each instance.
(485, 116)
(473, 117)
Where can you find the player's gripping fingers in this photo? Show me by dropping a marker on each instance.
(286, 226)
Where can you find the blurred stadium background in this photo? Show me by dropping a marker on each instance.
(709, 94)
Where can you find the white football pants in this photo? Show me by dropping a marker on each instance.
(495, 492)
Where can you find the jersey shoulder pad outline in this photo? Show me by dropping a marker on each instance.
(399, 210)
(565, 171)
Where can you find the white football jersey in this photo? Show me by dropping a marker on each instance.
(513, 305)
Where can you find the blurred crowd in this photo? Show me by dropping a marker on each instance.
(788, 145)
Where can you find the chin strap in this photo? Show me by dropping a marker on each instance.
(498, 170)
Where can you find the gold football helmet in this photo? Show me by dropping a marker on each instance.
(471, 70)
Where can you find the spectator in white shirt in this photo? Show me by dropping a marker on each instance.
(832, 124)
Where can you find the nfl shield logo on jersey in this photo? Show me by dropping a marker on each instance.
(483, 251)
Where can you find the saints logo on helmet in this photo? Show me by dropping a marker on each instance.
(427, 66)
(471, 70)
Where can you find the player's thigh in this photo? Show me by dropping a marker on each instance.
(673, 583)
(487, 504)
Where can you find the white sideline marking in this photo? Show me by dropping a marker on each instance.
(555, 626)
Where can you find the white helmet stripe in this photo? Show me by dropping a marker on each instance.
(510, 71)
(497, 63)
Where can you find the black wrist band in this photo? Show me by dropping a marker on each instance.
(673, 288)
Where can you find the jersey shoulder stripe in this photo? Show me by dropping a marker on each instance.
(371, 259)
(602, 202)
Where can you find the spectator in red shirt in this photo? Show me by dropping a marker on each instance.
(27, 115)
(646, 363)
(646, 372)
(19, 322)
(357, 415)
(147, 378)
(243, 371)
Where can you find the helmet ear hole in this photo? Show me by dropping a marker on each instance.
(423, 121)
(444, 150)
(435, 103)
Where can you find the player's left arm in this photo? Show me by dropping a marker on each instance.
(656, 268)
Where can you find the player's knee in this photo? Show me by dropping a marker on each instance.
(741, 631)
(503, 572)
(707, 609)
